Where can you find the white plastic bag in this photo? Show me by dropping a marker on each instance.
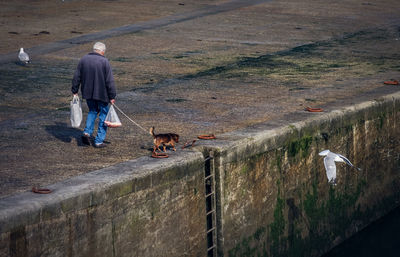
(112, 119)
(76, 112)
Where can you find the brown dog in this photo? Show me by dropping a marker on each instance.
(164, 139)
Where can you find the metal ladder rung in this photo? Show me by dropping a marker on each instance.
(208, 158)
(208, 213)
(209, 176)
(210, 230)
(211, 248)
(209, 194)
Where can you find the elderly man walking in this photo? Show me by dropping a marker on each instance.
(95, 76)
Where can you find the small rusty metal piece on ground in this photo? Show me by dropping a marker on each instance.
(159, 155)
(309, 109)
(210, 136)
(187, 143)
(41, 190)
(391, 82)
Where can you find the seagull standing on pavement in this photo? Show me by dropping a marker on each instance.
(23, 57)
(330, 167)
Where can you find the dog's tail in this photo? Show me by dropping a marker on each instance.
(152, 132)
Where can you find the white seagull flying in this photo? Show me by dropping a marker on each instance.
(23, 57)
(330, 167)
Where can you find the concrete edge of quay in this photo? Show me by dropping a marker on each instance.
(91, 189)
(272, 131)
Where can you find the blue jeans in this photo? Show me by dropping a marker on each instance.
(96, 108)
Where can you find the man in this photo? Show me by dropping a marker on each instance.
(95, 76)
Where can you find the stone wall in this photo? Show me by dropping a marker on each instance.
(272, 194)
(275, 199)
(138, 208)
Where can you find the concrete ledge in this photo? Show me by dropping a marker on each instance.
(267, 134)
(94, 188)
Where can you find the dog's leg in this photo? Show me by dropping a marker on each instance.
(165, 148)
(156, 147)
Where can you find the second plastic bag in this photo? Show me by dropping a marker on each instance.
(76, 112)
(112, 119)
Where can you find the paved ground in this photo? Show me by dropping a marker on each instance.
(189, 67)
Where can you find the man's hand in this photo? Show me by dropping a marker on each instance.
(112, 101)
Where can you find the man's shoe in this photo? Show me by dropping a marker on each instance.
(86, 139)
(99, 145)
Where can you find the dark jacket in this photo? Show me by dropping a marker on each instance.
(95, 75)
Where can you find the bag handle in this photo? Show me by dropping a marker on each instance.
(75, 99)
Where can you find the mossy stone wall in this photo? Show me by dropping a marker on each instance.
(142, 208)
(277, 201)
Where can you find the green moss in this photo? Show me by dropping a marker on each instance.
(251, 246)
(277, 227)
(292, 127)
(381, 120)
(345, 129)
(256, 244)
(325, 219)
(314, 212)
(278, 160)
(333, 211)
(259, 232)
(244, 170)
(124, 189)
(301, 145)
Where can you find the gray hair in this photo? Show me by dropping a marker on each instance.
(99, 47)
